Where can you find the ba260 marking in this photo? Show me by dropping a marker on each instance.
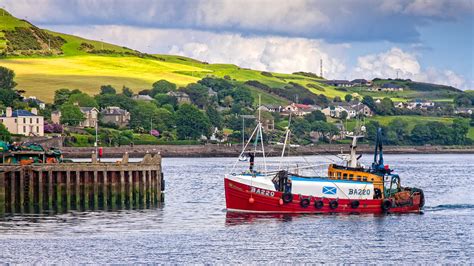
(263, 192)
(359, 191)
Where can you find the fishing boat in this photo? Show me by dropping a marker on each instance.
(348, 187)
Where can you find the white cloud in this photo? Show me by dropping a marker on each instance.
(366, 20)
(268, 53)
(395, 60)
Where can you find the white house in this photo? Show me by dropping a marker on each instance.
(23, 122)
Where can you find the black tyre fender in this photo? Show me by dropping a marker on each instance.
(333, 204)
(355, 204)
(304, 203)
(386, 204)
(287, 197)
(318, 204)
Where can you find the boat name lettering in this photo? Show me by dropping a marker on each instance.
(359, 191)
(262, 191)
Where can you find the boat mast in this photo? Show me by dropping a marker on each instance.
(287, 135)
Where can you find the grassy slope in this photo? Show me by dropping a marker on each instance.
(412, 121)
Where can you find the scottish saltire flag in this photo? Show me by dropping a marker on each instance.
(329, 190)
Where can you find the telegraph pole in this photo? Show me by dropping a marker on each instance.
(321, 68)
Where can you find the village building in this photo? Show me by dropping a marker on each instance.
(41, 104)
(270, 108)
(352, 110)
(211, 93)
(115, 115)
(298, 109)
(420, 104)
(361, 82)
(391, 87)
(181, 96)
(145, 98)
(23, 122)
(464, 110)
(400, 105)
(362, 109)
(56, 117)
(338, 83)
(91, 115)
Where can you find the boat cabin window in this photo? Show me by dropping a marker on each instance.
(359, 178)
(338, 175)
(364, 178)
(351, 177)
(344, 176)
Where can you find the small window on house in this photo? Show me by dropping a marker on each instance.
(37, 129)
(24, 120)
(31, 120)
(37, 120)
(15, 121)
(24, 129)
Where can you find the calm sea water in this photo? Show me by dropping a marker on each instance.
(193, 227)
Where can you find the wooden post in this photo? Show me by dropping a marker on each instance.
(122, 189)
(40, 190)
(86, 190)
(143, 188)
(149, 187)
(68, 190)
(104, 190)
(136, 188)
(50, 190)
(12, 191)
(31, 192)
(152, 186)
(158, 186)
(2, 194)
(96, 191)
(113, 189)
(59, 195)
(130, 189)
(77, 191)
(22, 190)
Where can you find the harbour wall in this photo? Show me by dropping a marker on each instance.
(214, 150)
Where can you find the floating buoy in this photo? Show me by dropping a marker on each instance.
(280, 201)
(251, 200)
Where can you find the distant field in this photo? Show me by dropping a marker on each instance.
(412, 121)
(42, 76)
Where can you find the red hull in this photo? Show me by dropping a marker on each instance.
(238, 196)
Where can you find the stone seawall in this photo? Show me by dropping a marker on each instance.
(213, 150)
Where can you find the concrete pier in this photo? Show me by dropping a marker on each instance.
(81, 186)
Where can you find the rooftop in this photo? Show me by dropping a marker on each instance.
(18, 113)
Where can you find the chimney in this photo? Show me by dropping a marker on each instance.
(34, 111)
(9, 112)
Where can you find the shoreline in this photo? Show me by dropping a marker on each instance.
(214, 150)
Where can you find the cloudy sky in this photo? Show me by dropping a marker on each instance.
(425, 40)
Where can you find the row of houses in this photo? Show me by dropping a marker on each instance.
(336, 110)
(386, 87)
(109, 115)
